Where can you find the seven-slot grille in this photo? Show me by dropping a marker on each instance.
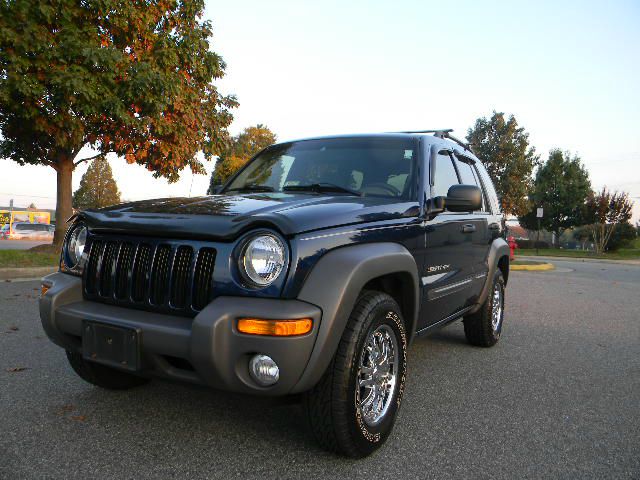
(168, 277)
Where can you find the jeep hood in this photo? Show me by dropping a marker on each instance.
(224, 217)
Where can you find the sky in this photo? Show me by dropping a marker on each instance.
(568, 71)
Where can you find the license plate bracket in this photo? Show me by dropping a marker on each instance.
(111, 345)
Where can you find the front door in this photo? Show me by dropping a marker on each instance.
(451, 252)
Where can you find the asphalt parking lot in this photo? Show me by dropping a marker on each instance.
(558, 397)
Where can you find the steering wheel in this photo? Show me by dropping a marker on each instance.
(383, 186)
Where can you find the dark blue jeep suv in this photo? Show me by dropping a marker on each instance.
(309, 272)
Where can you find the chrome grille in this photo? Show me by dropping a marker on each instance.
(165, 276)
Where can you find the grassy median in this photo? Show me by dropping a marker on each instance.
(630, 253)
(27, 258)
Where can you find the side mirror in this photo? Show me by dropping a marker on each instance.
(464, 198)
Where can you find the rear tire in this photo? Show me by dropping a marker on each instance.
(353, 407)
(484, 327)
(102, 376)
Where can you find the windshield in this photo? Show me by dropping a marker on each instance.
(376, 167)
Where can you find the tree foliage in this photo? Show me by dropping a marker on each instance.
(622, 237)
(241, 149)
(604, 211)
(132, 78)
(504, 149)
(97, 187)
(561, 188)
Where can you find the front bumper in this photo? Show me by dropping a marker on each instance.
(206, 349)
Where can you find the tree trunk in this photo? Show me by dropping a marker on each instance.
(64, 169)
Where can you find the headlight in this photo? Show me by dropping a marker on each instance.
(263, 259)
(75, 246)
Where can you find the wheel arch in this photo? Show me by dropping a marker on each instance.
(400, 286)
(498, 257)
(337, 280)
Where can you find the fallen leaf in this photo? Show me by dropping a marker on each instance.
(17, 369)
(13, 328)
(78, 418)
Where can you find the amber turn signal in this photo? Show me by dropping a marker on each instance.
(275, 328)
(44, 289)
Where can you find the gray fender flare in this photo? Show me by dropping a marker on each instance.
(499, 249)
(334, 285)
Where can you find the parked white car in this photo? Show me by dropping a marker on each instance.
(26, 230)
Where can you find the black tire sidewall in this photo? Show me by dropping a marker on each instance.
(368, 438)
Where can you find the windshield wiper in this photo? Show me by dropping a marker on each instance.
(321, 187)
(252, 187)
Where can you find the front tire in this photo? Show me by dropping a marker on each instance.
(353, 408)
(102, 376)
(484, 327)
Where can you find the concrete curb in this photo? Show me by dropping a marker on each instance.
(580, 259)
(21, 273)
(542, 267)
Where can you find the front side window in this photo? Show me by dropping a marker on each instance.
(466, 173)
(469, 176)
(445, 175)
(371, 167)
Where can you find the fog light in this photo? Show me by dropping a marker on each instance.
(264, 370)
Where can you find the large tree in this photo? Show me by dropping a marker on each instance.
(604, 212)
(242, 147)
(561, 188)
(504, 148)
(130, 77)
(97, 187)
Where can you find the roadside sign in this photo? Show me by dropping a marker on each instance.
(539, 212)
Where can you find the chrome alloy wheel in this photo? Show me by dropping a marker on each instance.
(496, 308)
(377, 375)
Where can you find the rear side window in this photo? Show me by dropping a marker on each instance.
(445, 175)
(21, 226)
(494, 202)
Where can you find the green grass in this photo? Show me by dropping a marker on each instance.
(631, 253)
(26, 258)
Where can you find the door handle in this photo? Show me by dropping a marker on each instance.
(469, 228)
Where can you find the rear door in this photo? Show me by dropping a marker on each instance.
(448, 270)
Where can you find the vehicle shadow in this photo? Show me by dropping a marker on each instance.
(451, 334)
(193, 417)
(171, 424)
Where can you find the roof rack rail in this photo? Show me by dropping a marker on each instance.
(444, 133)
